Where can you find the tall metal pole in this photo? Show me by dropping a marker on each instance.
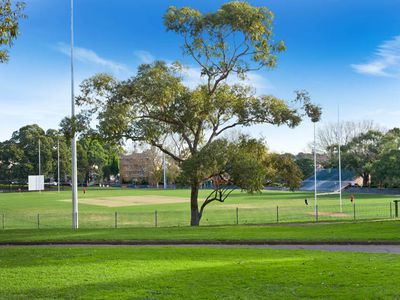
(165, 172)
(40, 164)
(340, 162)
(75, 223)
(315, 171)
(58, 164)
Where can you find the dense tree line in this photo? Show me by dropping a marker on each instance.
(98, 160)
(367, 150)
(19, 156)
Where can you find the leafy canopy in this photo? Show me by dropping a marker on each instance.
(236, 38)
(155, 106)
(9, 25)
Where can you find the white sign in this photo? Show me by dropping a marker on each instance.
(36, 183)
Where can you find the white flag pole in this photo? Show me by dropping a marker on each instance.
(75, 223)
(40, 162)
(315, 171)
(340, 161)
(58, 164)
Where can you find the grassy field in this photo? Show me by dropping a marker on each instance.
(98, 208)
(195, 273)
(366, 232)
(121, 272)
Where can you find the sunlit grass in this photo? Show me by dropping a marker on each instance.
(195, 273)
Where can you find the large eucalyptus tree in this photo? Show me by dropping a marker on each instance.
(155, 106)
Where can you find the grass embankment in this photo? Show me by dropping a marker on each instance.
(195, 273)
(360, 232)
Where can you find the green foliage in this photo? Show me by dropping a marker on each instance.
(112, 168)
(361, 152)
(239, 163)
(210, 161)
(311, 110)
(9, 25)
(155, 104)
(156, 108)
(305, 164)
(96, 156)
(246, 164)
(20, 155)
(284, 171)
(57, 138)
(77, 124)
(385, 169)
(236, 38)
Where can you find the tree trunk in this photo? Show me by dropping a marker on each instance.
(194, 206)
(365, 179)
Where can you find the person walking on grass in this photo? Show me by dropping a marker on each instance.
(351, 198)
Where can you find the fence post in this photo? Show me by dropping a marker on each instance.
(38, 221)
(354, 211)
(116, 220)
(316, 213)
(237, 215)
(155, 218)
(277, 214)
(390, 209)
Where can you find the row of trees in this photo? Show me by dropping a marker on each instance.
(19, 156)
(98, 160)
(367, 150)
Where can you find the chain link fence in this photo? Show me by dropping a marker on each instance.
(219, 215)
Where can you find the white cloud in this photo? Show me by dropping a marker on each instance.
(386, 61)
(144, 57)
(89, 56)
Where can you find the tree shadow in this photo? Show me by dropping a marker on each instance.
(182, 273)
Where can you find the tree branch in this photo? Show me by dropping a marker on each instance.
(161, 147)
(218, 194)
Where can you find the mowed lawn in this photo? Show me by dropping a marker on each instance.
(195, 273)
(357, 232)
(97, 209)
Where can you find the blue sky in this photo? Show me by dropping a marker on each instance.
(344, 53)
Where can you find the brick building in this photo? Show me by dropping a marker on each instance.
(138, 168)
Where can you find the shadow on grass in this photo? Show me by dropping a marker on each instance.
(176, 273)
